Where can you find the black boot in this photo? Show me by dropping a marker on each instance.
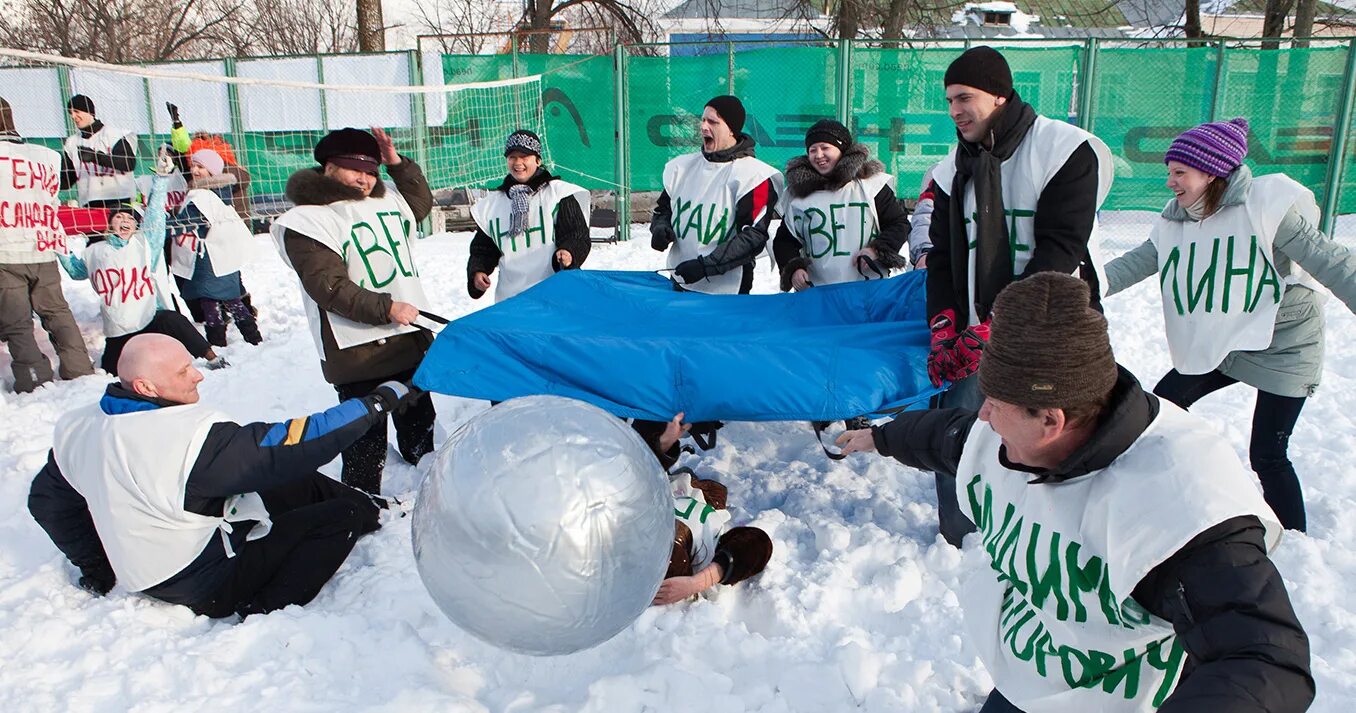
(216, 336)
(249, 305)
(249, 330)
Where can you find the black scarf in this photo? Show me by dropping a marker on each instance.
(993, 254)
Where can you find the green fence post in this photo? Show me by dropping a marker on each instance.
(1087, 86)
(419, 125)
(513, 45)
(844, 89)
(1337, 155)
(320, 79)
(1217, 98)
(622, 134)
(237, 121)
(150, 117)
(729, 68)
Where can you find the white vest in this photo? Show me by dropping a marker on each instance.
(527, 257)
(132, 470)
(833, 225)
(706, 523)
(1047, 601)
(99, 183)
(703, 196)
(1218, 276)
(1044, 151)
(126, 283)
(30, 176)
(373, 237)
(227, 244)
(176, 190)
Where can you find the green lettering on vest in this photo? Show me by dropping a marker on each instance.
(716, 230)
(402, 231)
(1269, 277)
(356, 234)
(816, 221)
(1068, 657)
(1207, 281)
(1047, 582)
(836, 228)
(679, 207)
(1127, 673)
(1082, 579)
(1167, 656)
(1230, 271)
(1027, 652)
(1169, 272)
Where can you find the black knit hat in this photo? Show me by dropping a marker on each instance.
(124, 207)
(982, 68)
(730, 110)
(349, 148)
(829, 131)
(524, 141)
(1048, 348)
(80, 102)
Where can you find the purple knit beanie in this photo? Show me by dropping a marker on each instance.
(1217, 147)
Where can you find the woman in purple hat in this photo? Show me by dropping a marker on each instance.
(1239, 261)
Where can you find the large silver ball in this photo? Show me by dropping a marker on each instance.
(544, 527)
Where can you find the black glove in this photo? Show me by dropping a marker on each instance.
(174, 115)
(662, 235)
(97, 581)
(393, 396)
(691, 271)
(88, 155)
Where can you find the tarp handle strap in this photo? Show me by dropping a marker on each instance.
(704, 434)
(432, 318)
(819, 427)
(867, 262)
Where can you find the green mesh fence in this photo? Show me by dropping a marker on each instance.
(1136, 99)
(899, 101)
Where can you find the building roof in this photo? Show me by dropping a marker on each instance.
(742, 9)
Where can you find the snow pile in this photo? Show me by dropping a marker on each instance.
(973, 14)
(855, 611)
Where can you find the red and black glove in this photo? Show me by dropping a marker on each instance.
(969, 347)
(941, 360)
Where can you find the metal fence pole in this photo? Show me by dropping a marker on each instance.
(1216, 99)
(324, 106)
(623, 142)
(513, 44)
(844, 89)
(233, 99)
(730, 68)
(419, 125)
(1087, 85)
(1337, 155)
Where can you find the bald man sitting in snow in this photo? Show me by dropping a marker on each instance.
(173, 499)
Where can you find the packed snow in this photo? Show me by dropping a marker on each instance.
(854, 612)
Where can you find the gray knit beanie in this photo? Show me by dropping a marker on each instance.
(1048, 348)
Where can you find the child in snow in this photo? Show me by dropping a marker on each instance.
(1272, 338)
(843, 221)
(124, 269)
(530, 227)
(209, 243)
(707, 548)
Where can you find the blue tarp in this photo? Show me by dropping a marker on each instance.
(628, 343)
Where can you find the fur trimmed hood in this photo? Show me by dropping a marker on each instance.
(802, 179)
(310, 186)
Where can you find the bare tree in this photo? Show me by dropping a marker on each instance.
(1274, 16)
(461, 26)
(139, 31)
(542, 16)
(371, 29)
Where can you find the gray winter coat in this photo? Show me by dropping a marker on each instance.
(1293, 363)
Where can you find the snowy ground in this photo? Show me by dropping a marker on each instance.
(855, 610)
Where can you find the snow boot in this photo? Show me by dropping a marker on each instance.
(216, 335)
(249, 330)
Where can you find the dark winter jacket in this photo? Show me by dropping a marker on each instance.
(233, 460)
(1246, 651)
(749, 237)
(1065, 214)
(571, 232)
(122, 158)
(324, 277)
(742, 552)
(856, 163)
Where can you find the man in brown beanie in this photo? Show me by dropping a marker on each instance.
(1084, 489)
